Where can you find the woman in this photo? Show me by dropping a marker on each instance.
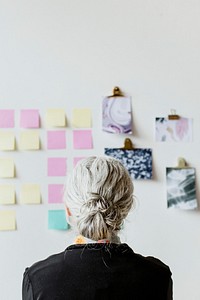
(98, 197)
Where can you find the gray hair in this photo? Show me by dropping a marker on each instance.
(99, 195)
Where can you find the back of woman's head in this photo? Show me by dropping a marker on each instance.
(99, 195)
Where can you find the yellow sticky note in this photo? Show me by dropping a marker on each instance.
(7, 194)
(7, 140)
(29, 140)
(7, 169)
(7, 220)
(81, 118)
(30, 194)
(55, 118)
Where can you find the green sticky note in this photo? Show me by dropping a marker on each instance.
(57, 220)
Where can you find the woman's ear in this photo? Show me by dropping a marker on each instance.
(68, 212)
(69, 217)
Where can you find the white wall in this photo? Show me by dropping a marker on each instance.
(61, 53)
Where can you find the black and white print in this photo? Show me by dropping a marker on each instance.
(181, 189)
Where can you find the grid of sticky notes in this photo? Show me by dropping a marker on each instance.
(57, 220)
(28, 139)
(57, 165)
(25, 135)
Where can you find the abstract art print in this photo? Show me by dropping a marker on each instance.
(117, 117)
(181, 189)
(138, 162)
(173, 130)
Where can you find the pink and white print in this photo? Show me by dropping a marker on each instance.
(174, 130)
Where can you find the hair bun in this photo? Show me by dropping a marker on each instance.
(96, 202)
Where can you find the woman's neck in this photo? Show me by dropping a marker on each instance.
(84, 240)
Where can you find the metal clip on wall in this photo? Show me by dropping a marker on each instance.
(128, 145)
(116, 92)
(181, 163)
(173, 115)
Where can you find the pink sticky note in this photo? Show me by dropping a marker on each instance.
(7, 118)
(82, 139)
(55, 193)
(76, 159)
(56, 139)
(57, 166)
(29, 118)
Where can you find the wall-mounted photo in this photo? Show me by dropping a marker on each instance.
(173, 130)
(181, 188)
(116, 115)
(137, 161)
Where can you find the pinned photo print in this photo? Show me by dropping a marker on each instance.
(173, 130)
(137, 161)
(181, 189)
(117, 117)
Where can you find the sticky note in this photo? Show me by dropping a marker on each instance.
(29, 118)
(7, 220)
(29, 140)
(57, 166)
(7, 140)
(81, 118)
(76, 159)
(82, 139)
(55, 193)
(55, 118)
(7, 118)
(30, 194)
(7, 194)
(57, 220)
(7, 168)
(56, 139)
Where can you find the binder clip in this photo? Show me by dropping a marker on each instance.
(116, 92)
(181, 163)
(128, 145)
(173, 115)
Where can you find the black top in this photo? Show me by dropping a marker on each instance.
(97, 271)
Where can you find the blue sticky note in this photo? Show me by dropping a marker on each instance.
(57, 220)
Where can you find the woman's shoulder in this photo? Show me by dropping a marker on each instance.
(152, 263)
(147, 262)
(52, 262)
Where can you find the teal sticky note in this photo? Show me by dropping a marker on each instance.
(57, 220)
